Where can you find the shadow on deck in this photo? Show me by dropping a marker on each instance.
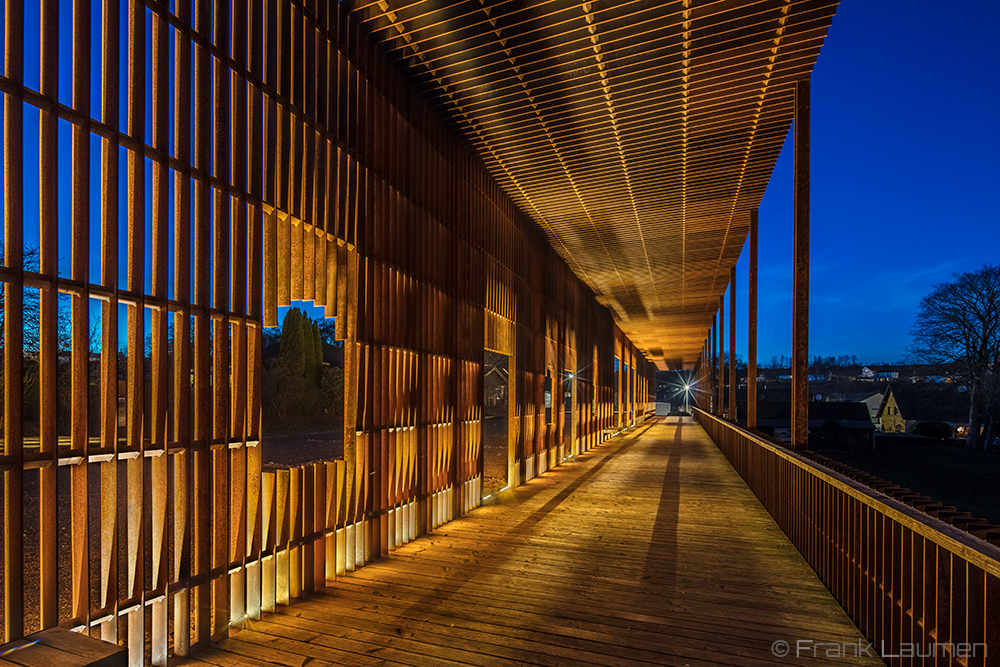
(648, 549)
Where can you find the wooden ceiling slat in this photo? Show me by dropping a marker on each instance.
(638, 134)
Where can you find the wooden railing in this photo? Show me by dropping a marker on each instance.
(922, 591)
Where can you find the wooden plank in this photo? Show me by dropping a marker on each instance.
(651, 535)
(57, 647)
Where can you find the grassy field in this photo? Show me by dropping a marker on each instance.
(967, 479)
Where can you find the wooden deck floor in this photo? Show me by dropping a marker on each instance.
(647, 550)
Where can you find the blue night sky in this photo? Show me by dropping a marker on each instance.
(904, 178)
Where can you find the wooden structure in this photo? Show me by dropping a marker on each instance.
(566, 183)
(198, 165)
(639, 135)
(552, 579)
(57, 647)
(906, 578)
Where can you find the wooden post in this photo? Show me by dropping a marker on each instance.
(732, 344)
(714, 381)
(722, 357)
(800, 276)
(752, 326)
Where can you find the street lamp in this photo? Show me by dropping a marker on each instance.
(687, 392)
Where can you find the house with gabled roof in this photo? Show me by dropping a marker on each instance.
(905, 406)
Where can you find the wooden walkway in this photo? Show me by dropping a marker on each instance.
(647, 550)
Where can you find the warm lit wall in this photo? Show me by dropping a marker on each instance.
(891, 420)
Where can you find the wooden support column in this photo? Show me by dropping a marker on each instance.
(800, 276)
(13, 325)
(706, 370)
(702, 377)
(713, 403)
(752, 326)
(732, 344)
(722, 357)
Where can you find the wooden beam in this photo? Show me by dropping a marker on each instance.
(732, 344)
(800, 268)
(722, 356)
(752, 325)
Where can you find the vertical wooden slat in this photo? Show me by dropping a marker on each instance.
(181, 562)
(159, 400)
(183, 460)
(284, 259)
(47, 313)
(254, 531)
(317, 500)
(296, 258)
(13, 167)
(80, 326)
(223, 264)
(271, 264)
(269, 527)
(236, 524)
(295, 519)
(109, 325)
(282, 528)
(201, 296)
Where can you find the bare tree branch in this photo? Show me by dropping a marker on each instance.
(958, 323)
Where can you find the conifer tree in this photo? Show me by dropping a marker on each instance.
(317, 346)
(293, 342)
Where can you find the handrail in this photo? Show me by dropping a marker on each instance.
(957, 541)
(911, 582)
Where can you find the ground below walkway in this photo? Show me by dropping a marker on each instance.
(647, 550)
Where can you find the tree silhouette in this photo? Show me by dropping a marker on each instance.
(293, 342)
(959, 323)
(295, 383)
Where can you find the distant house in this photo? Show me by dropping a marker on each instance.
(886, 376)
(904, 407)
(840, 425)
(866, 374)
(888, 417)
(871, 399)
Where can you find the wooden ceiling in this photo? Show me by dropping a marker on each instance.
(638, 134)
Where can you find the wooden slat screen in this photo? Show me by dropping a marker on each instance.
(208, 163)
